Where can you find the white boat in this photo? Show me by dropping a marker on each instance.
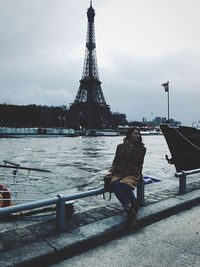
(150, 132)
(102, 133)
(144, 132)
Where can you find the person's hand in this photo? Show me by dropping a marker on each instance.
(108, 173)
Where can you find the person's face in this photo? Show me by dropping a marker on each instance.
(135, 136)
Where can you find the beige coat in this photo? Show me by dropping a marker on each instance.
(127, 166)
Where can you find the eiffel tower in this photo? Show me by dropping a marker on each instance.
(89, 109)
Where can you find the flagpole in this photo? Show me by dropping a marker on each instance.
(168, 100)
(166, 86)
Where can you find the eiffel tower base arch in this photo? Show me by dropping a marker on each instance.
(89, 115)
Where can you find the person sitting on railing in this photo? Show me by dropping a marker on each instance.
(126, 172)
(5, 200)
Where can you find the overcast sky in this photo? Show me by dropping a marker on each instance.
(140, 45)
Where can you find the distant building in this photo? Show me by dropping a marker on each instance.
(164, 120)
(177, 123)
(158, 120)
(171, 121)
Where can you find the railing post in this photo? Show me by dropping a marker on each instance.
(182, 183)
(15, 173)
(69, 210)
(140, 193)
(60, 213)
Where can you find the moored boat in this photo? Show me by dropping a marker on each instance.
(184, 146)
(108, 132)
(150, 133)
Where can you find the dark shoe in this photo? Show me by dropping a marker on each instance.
(131, 218)
(135, 206)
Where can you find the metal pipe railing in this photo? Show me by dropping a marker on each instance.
(89, 193)
(28, 206)
(61, 205)
(182, 179)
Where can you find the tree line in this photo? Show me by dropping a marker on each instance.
(45, 116)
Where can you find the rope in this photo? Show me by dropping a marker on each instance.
(186, 139)
(41, 190)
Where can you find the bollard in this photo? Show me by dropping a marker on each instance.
(182, 183)
(140, 193)
(60, 213)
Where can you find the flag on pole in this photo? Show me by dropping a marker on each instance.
(166, 86)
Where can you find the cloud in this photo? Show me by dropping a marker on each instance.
(140, 45)
(134, 85)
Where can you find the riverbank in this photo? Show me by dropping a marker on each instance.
(32, 240)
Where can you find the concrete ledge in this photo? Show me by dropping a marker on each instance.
(65, 245)
(25, 255)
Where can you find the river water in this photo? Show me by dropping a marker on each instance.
(79, 163)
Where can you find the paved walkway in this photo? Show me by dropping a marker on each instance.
(33, 239)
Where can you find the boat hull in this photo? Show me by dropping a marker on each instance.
(184, 146)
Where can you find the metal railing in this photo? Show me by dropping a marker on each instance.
(21, 183)
(60, 205)
(182, 179)
(62, 202)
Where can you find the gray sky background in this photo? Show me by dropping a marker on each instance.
(140, 45)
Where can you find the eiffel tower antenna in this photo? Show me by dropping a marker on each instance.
(90, 101)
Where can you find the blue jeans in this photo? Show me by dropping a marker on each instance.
(124, 193)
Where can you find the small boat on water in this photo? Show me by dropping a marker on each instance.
(108, 132)
(6, 132)
(184, 146)
(150, 133)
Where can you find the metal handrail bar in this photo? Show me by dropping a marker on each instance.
(77, 195)
(89, 193)
(28, 206)
(23, 168)
(15, 191)
(19, 199)
(60, 205)
(187, 172)
(59, 201)
(10, 162)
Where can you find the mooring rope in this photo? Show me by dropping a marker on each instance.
(186, 139)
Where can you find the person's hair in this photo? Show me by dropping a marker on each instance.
(130, 131)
